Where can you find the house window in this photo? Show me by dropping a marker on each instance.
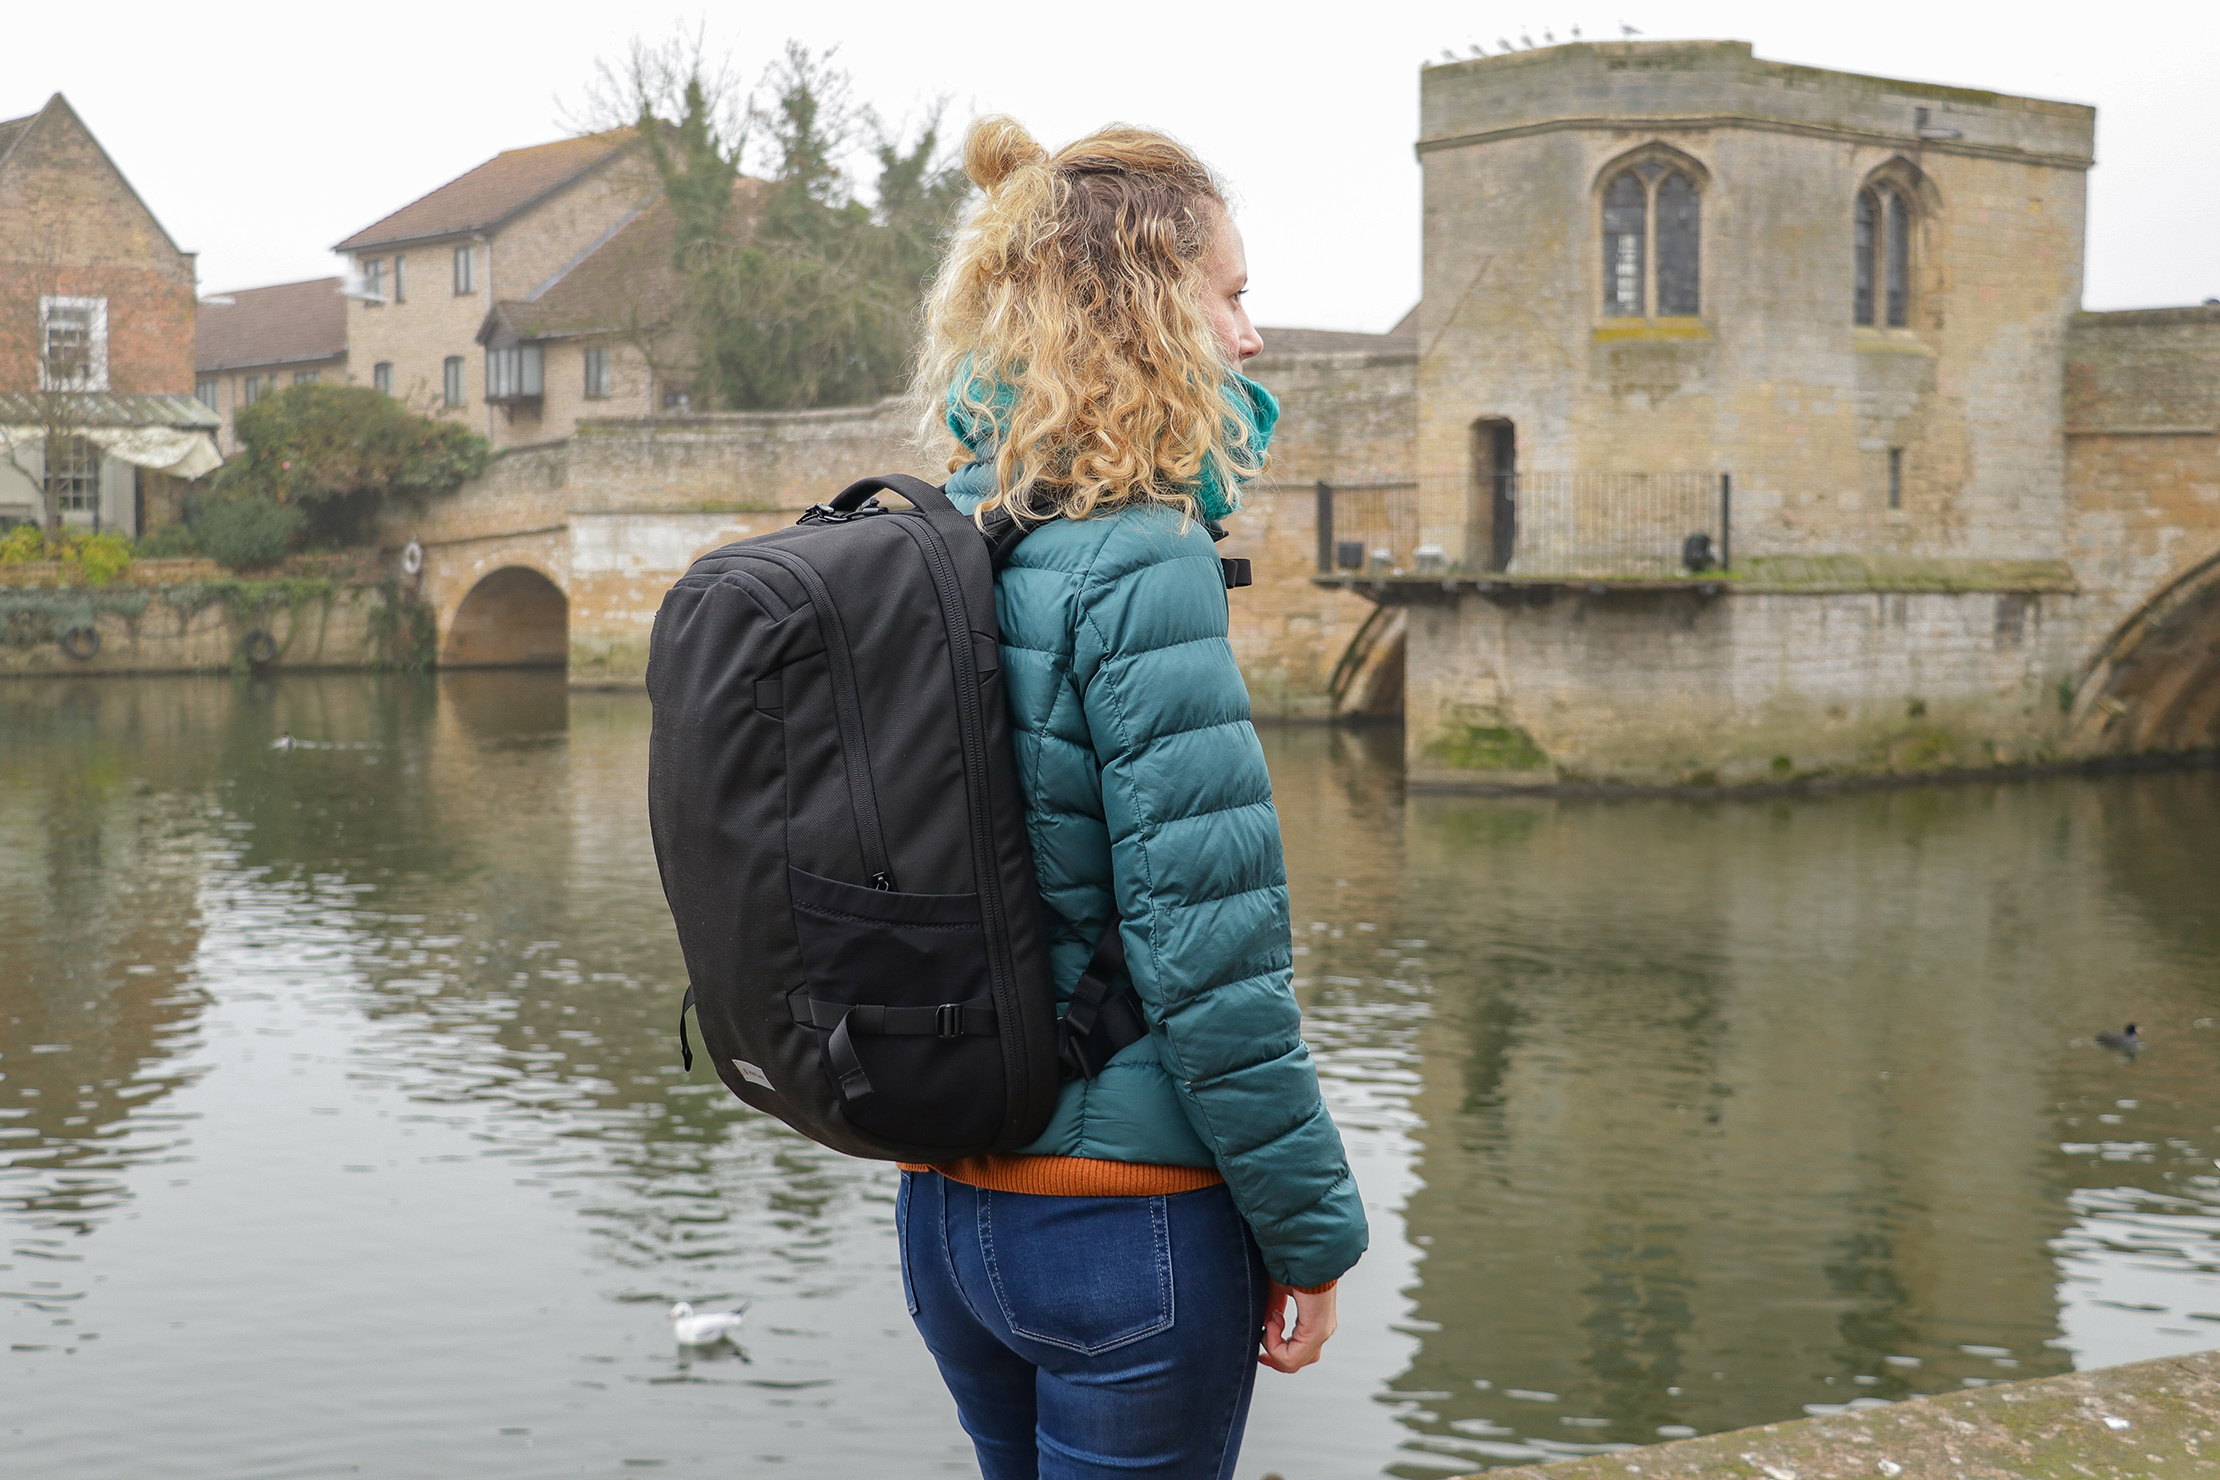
(597, 375)
(1896, 477)
(466, 269)
(252, 391)
(373, 280)
(207, 390)
(514, 374)
(451, 380)
(73, 344)
(304, 377)
(73, 478)
(1652, 211)
(381, 376)
(400, 279)
(1881, 246)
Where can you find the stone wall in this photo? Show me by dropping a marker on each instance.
(205, 622)
(2142, 454)
(1529, 686)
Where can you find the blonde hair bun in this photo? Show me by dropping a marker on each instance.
(996, 148)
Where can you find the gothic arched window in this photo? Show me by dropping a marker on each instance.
(1625, 229)
(1652, 202)
(1881, 243)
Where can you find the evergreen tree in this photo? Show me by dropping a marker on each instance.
(801, 295)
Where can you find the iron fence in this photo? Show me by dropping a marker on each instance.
(1617, 524)
(1367, 527)
(1587, 525)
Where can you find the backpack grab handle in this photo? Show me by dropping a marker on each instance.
(928, 498)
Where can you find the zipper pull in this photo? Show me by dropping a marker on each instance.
(884, 883)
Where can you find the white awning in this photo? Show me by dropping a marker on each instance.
(177, 451)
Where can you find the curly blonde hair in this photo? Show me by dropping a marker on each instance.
(1068, 319)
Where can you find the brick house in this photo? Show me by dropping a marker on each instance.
(599, 338)
(256, 340)
(98, 428)
(429, 276)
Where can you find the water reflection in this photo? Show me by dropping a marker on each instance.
(350, 1068)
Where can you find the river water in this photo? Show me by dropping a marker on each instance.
(342, 1130)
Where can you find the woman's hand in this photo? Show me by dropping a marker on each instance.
(1291, 1351)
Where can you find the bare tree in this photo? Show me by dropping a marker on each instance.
(51, 346)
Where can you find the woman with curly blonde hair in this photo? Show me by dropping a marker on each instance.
(1096, 1303)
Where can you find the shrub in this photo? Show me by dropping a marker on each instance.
(250, 530)
(22, 544)
(101, 557)
(94, 559)
(339, 453)
(169, 542)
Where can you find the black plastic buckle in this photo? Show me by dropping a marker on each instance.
(948, 1019)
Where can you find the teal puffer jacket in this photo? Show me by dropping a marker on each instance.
(1144, 781)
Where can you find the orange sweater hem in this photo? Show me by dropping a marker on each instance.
(1072, 1176)
(1081, 1176)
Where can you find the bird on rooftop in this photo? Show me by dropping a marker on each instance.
(706, 1329)
(1548, 36)
(2127, 1042)
(1504, 42)
(1627, 30)
(1576, 33)
(284, 741)
(1526, 41)
(1477, 49)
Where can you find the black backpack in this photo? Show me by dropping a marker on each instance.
(842, 840)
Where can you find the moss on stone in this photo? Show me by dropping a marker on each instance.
(1488, 748)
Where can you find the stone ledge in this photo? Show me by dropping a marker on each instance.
(2157, 1420)
(1762, 575)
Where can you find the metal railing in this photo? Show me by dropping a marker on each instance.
(1587, 525)
(1367, 527)
(1619, 524)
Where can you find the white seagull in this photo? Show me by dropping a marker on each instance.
(706, 1329)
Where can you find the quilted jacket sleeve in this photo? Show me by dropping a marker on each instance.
(1202, 887)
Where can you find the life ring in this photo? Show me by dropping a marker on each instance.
(259, 646)
(80, 642)
(412, 558)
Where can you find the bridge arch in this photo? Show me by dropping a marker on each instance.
(514, 617)
(2155, 684)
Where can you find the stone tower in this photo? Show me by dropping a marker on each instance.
(1850, 293)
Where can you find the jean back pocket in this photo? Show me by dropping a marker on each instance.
(1083, 1273)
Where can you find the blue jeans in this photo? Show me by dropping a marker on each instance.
(1087, 1337)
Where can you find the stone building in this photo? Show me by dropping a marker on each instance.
(97, 423)
(254, 341)
(1685, 306)
(429, 276)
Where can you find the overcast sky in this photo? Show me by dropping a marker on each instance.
(262, 132)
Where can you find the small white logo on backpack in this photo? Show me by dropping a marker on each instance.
(751, 1073)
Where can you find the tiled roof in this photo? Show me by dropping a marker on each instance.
(1404, 336)
(284, 324)
(493, 192)
(12, 129)
(624, 282)
(102, 409)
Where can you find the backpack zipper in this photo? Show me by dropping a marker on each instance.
(855, 756)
